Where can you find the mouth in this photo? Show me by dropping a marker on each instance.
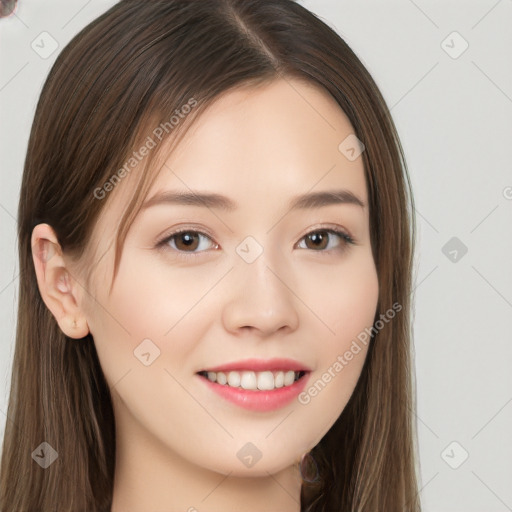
(257, 386)
(261, 385)
(254, 380)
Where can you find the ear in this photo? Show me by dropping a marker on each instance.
(59, 290)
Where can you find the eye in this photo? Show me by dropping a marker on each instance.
(186, 242)
(320, 237)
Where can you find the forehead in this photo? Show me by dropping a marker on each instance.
(282, 137)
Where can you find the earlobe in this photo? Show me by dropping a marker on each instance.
(58, 289)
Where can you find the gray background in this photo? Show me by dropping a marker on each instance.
(453, 111)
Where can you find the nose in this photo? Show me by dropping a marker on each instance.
(261, 298)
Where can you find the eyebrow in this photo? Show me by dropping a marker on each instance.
(212, 200)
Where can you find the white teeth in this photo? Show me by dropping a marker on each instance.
(289, 378)
(248, 380)
(279, 380)
(266, 380)
(263, 381)
(234, 379)
(221, 378)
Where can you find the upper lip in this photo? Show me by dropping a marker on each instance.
(259, 365)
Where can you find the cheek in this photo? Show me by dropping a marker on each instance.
(355, 304)
(343, 345)
(343, 298)
(146, 303)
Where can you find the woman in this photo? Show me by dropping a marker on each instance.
(216, 248)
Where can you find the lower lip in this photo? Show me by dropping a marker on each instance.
(256, 400)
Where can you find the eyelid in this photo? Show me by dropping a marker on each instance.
(162, 243)
(344, 234)
(333, 228)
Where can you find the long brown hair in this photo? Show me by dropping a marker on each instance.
(119, 78)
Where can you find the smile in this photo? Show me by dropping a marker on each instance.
(250, 380)
(256, 384)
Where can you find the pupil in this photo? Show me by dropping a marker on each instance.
(188, 239)
(317, 239)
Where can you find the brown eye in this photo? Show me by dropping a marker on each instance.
(186, 241)
(320, 239)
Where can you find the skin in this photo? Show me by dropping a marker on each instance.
(177, 442)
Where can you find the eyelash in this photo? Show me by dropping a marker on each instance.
(163, 243)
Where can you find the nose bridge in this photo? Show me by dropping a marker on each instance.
(259, 297)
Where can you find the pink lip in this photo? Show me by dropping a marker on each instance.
(260, 365)
(256, 400)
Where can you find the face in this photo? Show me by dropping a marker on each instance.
(259, 286)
